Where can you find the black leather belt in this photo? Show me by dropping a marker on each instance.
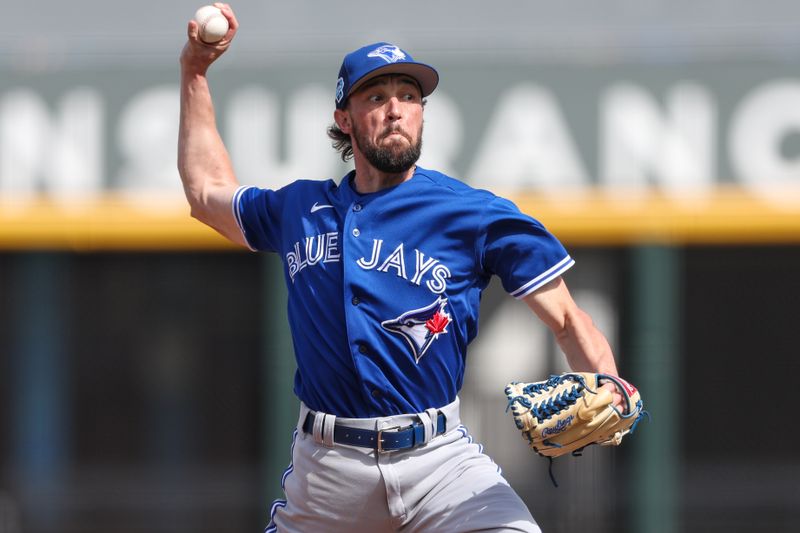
(383, 440)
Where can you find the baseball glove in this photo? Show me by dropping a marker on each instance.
(568, 412)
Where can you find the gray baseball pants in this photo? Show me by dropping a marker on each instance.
(445, 485)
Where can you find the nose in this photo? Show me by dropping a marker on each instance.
(393, 109)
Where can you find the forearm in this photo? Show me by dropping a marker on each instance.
(585, 347)
(203, 161)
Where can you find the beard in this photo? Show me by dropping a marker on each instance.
(393, 159)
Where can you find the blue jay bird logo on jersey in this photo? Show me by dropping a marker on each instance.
(389, 53)
(421, 327)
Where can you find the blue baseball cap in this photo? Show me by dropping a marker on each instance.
(376, 60)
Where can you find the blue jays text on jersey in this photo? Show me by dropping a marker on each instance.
(325, 248)
(384, 288)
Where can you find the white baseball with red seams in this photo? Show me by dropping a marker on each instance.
(212, 23)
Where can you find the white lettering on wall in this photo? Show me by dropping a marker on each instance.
(645, 141)
(674, 146)
(147, 137)
(527, 145)
(58, 152)
(256, 137)
(443, 135)
(758, 127)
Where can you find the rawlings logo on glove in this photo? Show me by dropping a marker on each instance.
(559, 427)
(568, 412)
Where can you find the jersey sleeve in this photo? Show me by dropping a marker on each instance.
(518, 249)
(258, 214)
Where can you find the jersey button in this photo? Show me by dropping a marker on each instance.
(356, 300)
(356, 233)
(376, 393)
(357, 208)
(362, 348)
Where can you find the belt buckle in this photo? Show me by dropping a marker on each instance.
(380, 438)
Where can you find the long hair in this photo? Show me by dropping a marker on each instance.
(341, 142)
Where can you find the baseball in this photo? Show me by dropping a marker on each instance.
(213, 24)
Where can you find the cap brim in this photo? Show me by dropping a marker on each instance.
(426, 76)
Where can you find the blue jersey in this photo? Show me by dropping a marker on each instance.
(384, 288)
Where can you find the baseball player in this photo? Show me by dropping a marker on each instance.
(385, 269)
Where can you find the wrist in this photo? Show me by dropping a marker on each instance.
(190, 71)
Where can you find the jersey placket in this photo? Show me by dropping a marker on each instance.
(353, 246)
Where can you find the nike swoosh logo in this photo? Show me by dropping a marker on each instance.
(316, 207)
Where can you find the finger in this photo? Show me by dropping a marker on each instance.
(233, 23)
(193, 30)
(619, 402)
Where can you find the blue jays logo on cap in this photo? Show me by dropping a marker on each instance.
(389, 52)
(339, 90)
(421, 327)
(378, 59)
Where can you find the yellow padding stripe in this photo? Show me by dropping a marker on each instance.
(117, 222)
(111, 222)
(725, 216)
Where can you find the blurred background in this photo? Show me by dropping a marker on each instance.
(145, 365)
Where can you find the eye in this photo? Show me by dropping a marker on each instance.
(376, 98)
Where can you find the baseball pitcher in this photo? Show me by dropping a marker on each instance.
(385, 268)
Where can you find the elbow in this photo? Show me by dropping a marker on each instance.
(198, 211)
(195, 198)
(197, 208)
(573, 321)
(195, 211)
(562, 332)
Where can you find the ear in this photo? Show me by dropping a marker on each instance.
(342, 119)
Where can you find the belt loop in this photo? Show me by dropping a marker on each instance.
(425, 418)
(327, 430)
(304, 410)
(433, 415)
(319, 421)
(451, 414)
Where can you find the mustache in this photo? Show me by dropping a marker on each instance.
(395, 129)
